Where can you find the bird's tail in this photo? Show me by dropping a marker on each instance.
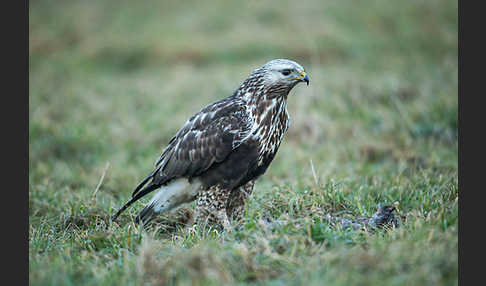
(170, 196)
(138, 194)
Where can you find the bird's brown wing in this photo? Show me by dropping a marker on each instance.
(207, 138)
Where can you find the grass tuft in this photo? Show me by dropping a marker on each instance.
(111, 82)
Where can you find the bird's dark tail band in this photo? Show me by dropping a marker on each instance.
(138, 195)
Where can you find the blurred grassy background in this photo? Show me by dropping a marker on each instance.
(110, 82)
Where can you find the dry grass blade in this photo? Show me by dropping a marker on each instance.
(314, 173)
(93, 197)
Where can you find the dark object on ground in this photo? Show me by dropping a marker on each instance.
(383, 217)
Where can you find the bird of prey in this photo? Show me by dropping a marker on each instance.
(221, 150)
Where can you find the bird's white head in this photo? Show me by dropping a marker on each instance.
(274, 79)
(283, 72)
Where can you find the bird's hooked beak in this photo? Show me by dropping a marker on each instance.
(304, 77)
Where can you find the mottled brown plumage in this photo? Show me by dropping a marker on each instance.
(219, 152)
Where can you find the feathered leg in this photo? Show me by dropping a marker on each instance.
(237, 199)
(211, 207)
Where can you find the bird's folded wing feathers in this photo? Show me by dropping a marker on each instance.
(208, 137)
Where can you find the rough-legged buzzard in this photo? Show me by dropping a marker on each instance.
(220, 151)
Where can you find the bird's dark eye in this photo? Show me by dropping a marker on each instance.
(285, 72)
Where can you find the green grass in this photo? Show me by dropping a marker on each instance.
(110, 83)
